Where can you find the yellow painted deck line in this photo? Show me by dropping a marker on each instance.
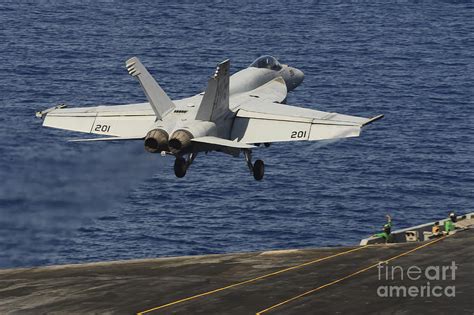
(251, 280)
(347, 277)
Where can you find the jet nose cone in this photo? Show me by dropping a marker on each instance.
(294, 78)
(299, 76)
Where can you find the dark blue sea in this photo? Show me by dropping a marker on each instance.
(63, 202)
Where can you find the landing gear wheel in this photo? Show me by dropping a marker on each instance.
(258, 169)
(180, 167)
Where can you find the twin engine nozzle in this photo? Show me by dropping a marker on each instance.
(180, 140)
(158, 140)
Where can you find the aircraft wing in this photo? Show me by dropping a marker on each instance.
(209, 143)
(124, 121)
(222, 142)
(265, 122)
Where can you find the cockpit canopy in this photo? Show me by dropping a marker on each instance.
(266, 62)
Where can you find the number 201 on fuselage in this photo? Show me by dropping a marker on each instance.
(102, 128)
(298, 134)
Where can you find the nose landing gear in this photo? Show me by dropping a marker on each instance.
(258, 168)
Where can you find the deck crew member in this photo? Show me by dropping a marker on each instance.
(435, 229)
(387, 230)
(449, 224)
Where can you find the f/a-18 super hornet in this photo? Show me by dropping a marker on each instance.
(234, 115)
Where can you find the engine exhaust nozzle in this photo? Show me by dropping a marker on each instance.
(180, 140)
(156, 141)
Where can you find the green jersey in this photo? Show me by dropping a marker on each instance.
(448, 226)
(382, 234)
(386, 233)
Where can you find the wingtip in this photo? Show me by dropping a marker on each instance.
(43, 113)
(371, 120)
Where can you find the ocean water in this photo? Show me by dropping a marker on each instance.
(64, 202)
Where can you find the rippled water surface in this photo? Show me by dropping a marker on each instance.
(66, 202)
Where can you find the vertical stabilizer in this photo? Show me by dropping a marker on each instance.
(215, 102)
(159, 101)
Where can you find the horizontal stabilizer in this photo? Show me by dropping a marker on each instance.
(106, 139)
(159, 101)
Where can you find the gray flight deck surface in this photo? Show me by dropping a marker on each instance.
(346, 283)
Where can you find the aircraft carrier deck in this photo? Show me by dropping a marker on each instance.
(344, 280)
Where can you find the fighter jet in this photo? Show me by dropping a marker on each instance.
(234, 115)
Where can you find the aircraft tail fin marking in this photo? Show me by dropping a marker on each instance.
(159, 101)
(215, 102)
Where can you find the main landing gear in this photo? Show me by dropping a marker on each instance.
(258, 168)
(181, 164)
